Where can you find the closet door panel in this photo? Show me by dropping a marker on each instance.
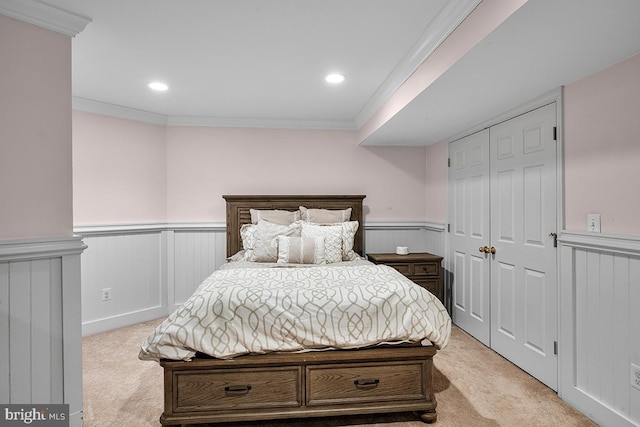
(469, 207)
(523, 215)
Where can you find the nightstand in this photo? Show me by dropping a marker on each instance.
(423, 268)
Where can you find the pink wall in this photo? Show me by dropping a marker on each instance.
(602, 149)
(119, 170)
(205, 163)
(437, 176)
(128, 172)
(125, 160)
(35, 128)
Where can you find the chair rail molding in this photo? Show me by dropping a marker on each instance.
(13, 250)
(618, 243)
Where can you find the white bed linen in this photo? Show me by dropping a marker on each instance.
(259, 308)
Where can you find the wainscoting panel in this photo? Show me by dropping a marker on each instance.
(30, 324)
(127, 266)
(41, 353)
(150, 269)
(600, 326)
(196, 255)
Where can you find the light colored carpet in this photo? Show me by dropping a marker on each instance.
(474, 387)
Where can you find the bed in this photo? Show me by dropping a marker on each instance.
(378, 366)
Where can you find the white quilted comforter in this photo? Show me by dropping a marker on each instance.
(259, 310)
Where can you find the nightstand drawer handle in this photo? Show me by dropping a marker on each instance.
(367, 383)
(237, 389)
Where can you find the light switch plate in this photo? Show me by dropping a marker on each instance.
(593, 223)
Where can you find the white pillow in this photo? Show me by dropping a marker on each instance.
(248, 235)
(277, 216)
(332, 239)
(301, 250)
(266, 243)
(349, 230)
(324, 216)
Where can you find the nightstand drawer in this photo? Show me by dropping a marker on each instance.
(426, 269)
(432, 285)
(402, 268)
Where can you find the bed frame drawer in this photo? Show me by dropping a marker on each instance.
(225, 389)
(300, 385)
(363, 383)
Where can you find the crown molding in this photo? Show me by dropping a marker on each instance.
(260, 123)
(44, 15)
(98, 107)
(442, 25)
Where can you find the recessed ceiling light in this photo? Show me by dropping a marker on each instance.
(334, 78)
(159, 86)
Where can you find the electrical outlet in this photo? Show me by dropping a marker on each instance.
(106, 294)
(593, 223)
(635, 376)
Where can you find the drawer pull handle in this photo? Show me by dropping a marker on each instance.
(237, 389)
(367, 383)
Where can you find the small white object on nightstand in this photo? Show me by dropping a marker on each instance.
(402, 250)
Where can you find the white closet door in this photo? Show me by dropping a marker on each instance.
(523, 217)
(502, 200)
(469, 207)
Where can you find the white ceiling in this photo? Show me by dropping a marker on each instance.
(251, 61)
(544, 45)
(262, 62)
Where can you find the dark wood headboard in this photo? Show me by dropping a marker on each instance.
(238, 207)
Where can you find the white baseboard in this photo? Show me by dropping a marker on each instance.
(119, 321)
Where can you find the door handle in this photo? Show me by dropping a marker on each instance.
(487, 249)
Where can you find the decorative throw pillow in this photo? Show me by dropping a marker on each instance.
(301, 250)
(275, 216)
(325, 216)
(332, 239)
(248, 235)
(266, 243)
(349, 229)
